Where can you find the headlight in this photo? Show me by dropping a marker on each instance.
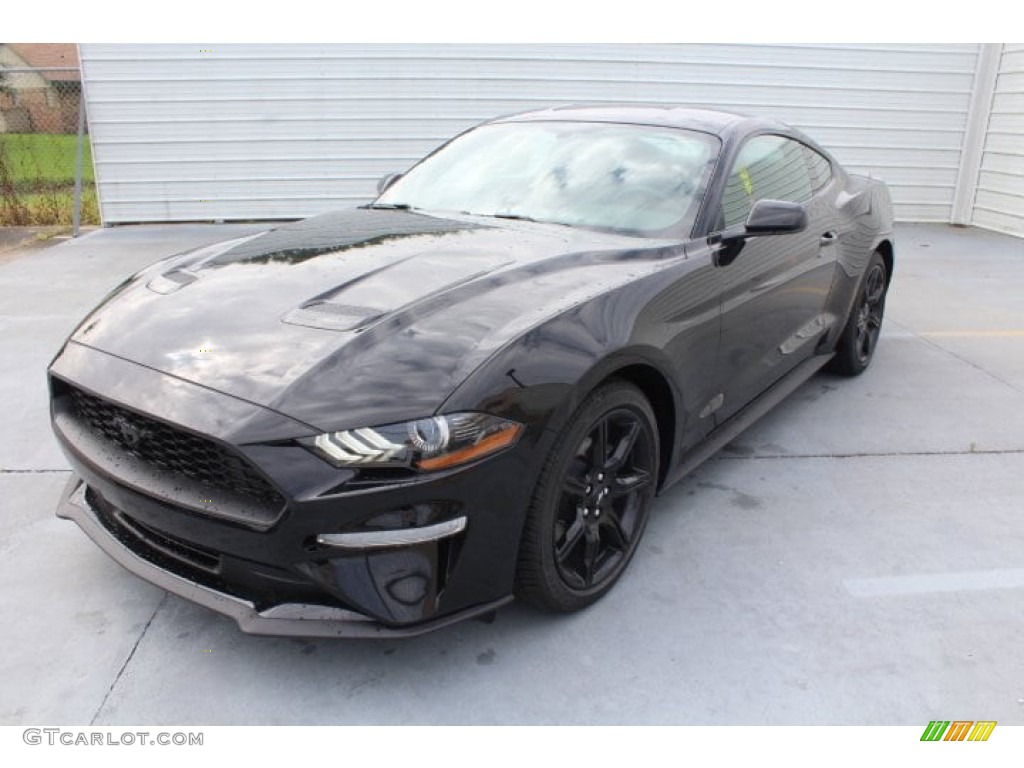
(438, 442)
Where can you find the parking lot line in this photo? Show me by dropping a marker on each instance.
(966, 581)
(994, 334)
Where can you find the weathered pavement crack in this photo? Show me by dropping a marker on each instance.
(128, 660)
(961, 358)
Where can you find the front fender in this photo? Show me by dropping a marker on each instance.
(542, 378)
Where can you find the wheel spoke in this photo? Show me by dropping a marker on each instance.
(866, 343)
(618, 538)
(591, 553)
(575, 487)
(599, 447)
(875, 287)
(626, 484)
(572, 539)
(624, 447)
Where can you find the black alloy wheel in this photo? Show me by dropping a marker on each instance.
(592, 501)
(869, 313)
(856, 346)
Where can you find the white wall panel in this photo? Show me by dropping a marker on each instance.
(283, 131)
(999, 201)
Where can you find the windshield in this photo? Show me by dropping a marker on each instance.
(635, 179)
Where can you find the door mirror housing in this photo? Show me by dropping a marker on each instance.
(767, 217)
(386, 181)
(775, 217)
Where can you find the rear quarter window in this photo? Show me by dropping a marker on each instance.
(819, 168)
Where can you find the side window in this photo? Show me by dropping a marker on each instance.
(819, 167)
(767, 168)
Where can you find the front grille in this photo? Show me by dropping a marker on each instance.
(150, 543)
(163, 446)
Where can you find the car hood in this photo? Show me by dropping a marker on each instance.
(357, 317)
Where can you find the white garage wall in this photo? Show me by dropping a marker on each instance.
(999, 200)
(184, 132)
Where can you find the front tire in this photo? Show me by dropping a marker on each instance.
(856, 346)
(591, 503)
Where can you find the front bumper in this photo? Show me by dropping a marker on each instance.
(285, 619)
(334, 559)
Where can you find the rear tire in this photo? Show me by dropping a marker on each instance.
(591, 503)
(856, 346)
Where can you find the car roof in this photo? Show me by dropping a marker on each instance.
(705, 120)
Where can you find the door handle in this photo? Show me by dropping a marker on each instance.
(829, 238)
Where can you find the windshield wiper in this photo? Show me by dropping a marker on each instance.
(521, 217)
(514, 217)
(389, 206)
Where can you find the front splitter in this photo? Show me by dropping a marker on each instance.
(288, 619)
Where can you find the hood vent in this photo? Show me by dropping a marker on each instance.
(332, 317)
(171, 281)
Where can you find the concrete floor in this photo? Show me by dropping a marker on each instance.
(855, 558)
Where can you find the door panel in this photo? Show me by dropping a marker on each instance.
(774, 292)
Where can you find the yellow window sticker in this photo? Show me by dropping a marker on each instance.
(747, 183)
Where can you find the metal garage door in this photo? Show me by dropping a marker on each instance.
(283, 131)
(999, 201)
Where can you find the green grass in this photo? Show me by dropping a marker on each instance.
(37, 178)
(48, 208)
(35, 160)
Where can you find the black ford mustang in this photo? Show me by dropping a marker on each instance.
(384, 420)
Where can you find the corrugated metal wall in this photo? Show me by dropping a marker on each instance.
(999, 200)
(281, 131)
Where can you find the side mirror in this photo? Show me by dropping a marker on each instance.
(387, 181)
(775, 217)
(767, 217)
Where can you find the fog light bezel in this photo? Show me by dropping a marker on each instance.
(388, 539)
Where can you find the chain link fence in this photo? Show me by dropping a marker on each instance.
(46, 171)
